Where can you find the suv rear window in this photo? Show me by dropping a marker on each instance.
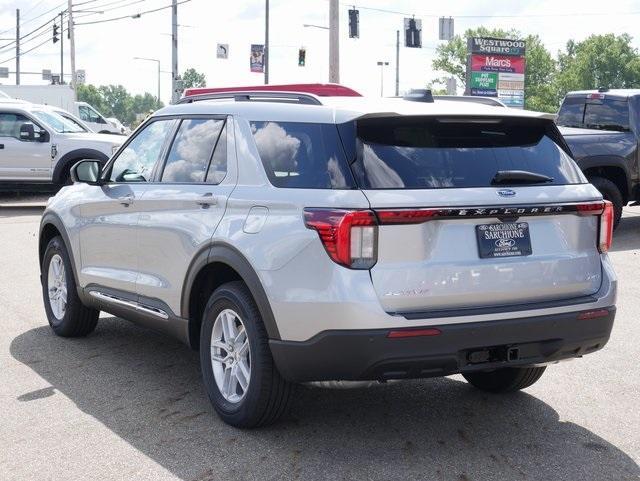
(302, 155)
(605, 114)
(429, 153)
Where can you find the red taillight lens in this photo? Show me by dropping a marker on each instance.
(406, 216)
(404, 333)
(348, 236)
(606, 228)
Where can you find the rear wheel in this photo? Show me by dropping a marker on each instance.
(67, 316)
(507, 379)
(238, 371)
(610, 192)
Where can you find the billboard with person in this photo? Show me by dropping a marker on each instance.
(495, 68)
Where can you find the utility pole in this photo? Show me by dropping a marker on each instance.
(397, 63)
(62, 48)
(174, 52)
(18, 46)
(72, 49)
(266, 43)
(334, 41)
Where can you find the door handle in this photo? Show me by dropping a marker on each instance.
(126, 200)
(207, 199)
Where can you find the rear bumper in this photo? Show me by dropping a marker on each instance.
(370, 354)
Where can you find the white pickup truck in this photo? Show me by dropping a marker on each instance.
(62, 96)
(39, 146)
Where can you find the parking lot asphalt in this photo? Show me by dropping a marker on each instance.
(126, 403)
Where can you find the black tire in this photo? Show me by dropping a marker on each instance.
(610, 192)
(78, 320)
(268, 395)
(503, 380)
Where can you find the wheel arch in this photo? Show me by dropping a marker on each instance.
(211, 268)
(613, 168)
(51, 226)
(67, 160)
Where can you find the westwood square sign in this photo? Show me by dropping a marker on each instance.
(495, 68)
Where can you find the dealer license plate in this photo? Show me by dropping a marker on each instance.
(507, 239)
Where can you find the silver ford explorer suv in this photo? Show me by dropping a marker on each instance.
(292, 237)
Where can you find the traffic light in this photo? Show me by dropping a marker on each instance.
(354, 23)
(412, 33)
(302, 53)
(55, 33)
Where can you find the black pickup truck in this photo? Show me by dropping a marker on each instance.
(602, 128)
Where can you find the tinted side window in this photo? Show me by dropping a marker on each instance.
(191, 150)
(135, 163)
(302, 155)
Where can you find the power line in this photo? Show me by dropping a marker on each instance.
(101, 11)
(29, 33)
(541, 15)
(135, 15)
(25, 52)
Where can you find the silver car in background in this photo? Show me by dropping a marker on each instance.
(292, 238)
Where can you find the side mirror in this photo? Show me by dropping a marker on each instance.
(27, 132)
(42, 135)
(87, 171)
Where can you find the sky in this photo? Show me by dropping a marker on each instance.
(106, 50)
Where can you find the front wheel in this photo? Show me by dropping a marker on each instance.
(239, 374)
(67, 316)
(507, 379)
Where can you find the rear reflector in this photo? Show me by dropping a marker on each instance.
(605, 237)
(593, 314)
(413, 333)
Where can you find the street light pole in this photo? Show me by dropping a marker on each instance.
(174, 52)
(18, 46)
(72, 49)
(158, 62)
(382, 65)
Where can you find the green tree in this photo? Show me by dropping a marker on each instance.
(116, 101)
(192, 78)
(598, 61)
(540, 69)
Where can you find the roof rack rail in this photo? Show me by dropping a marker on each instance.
(249, 96)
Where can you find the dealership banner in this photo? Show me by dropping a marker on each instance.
(256, 62)
(495, 68)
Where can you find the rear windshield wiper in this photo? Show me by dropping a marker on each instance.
(519, 177)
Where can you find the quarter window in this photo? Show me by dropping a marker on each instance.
(302, 155)
(192, 150)
(135, 163)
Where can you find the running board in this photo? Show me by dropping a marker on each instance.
(154, 311)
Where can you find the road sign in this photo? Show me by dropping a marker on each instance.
(81, 77)
(222, 51)
(4, 72)
(46, 74)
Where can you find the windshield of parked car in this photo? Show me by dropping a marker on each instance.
(58, 122)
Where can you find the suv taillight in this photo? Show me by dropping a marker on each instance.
(350, 237)
(605, 237)
(604, 210)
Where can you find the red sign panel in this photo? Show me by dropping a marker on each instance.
(497, 63)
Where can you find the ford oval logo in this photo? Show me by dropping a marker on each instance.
(505, 243)
(506, 193)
